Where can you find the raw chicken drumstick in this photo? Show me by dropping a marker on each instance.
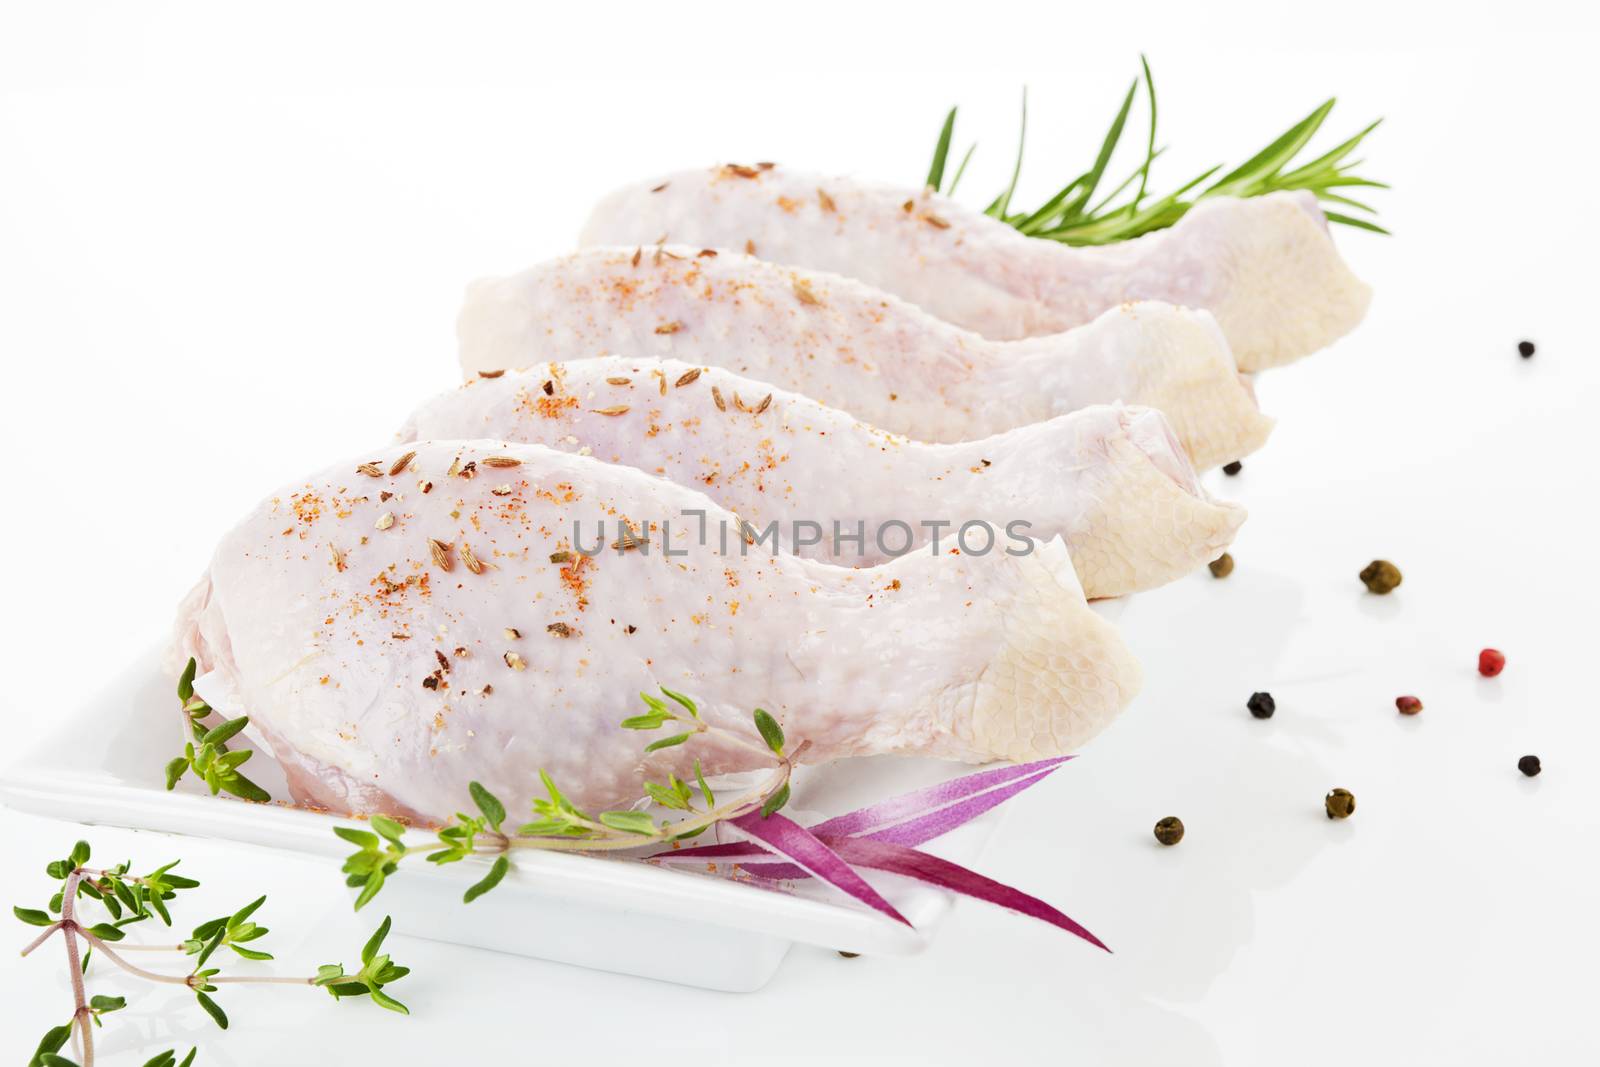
(1266, 266)
(860, 350)
(408, 621)
(1111, 481)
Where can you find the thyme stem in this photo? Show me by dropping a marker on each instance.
(49, 931)
(80, 1001)
(105, 950)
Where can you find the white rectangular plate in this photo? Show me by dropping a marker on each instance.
(105, 766)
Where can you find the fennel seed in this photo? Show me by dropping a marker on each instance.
(687, 378)
(502, 461)
(613, 410)
(470, 560)
(802, 292)
(935, 221)
(371, 470)
(716, 398)
(766, 402)
(402, 463)
(619, 381)
(826, 201)
(669, 327)
(490, 373)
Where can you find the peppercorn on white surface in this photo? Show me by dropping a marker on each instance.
(860, 349)
(1266, 266)
(1111, 481)
(396, 628)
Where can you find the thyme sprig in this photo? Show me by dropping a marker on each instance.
(562, 826)
(1074, 216)
(130, 899)
(206, 751)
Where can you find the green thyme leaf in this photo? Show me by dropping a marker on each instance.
(705, 790)
(175, 768)
(370, 889)
(489, 804)
(212, 1009)
(387, 827)
(104, 1003)
(771, 732)
(211, 945)
(384, 1000)
(941, 151)
(776, 801)
(645, 722)
(496, 872)
(633, 822)
(32, 916)
(54, 1040)
(245, 912)
(369, 951)
(359, 838)
(225, 732)
(667, 798)
(80, 854)
(243, 788)
(679, 698)
(667, 742)
(250, 953)
(107, 932)
(186, 680)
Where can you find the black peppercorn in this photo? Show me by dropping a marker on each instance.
(1340, 804)
(1222, 566)
(1261, 705)
(1230, 469)
(1529, 765)
(849, 955)
(1525, 349)
(1169, 831)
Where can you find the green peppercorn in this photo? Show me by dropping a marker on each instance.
(1169, 831)
(1222, 566)
(1340, 804)
(1380, 576)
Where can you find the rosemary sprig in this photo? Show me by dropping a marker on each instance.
(562, 826)
(1073, 216)
(206, 752)
(130, 899)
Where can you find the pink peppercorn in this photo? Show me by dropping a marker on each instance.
(1491, 661)
(1408, 705)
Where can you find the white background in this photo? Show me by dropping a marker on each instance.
(231, 248)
